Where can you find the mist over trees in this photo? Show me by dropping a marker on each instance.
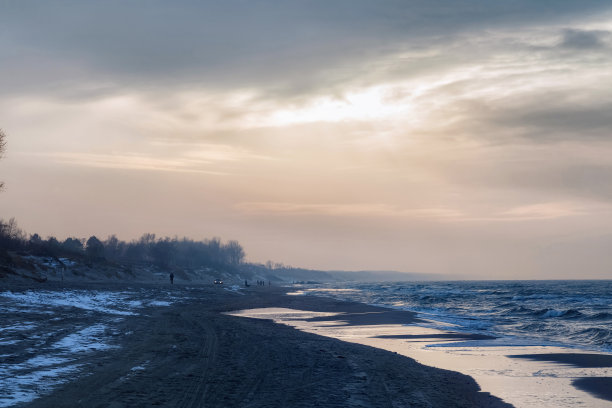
(148, 249)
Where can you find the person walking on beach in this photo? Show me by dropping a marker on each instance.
(171, 278)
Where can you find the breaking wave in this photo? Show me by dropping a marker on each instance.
(574, 313)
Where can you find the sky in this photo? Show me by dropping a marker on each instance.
(468, 138)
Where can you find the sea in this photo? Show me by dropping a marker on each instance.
(576, 313)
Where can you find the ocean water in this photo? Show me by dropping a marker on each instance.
(569, 313)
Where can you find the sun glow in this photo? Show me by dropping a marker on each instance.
(376, 103)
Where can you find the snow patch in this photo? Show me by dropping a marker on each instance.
(159, 303)
(98, 301)
(26, 387)
(235, 289)
(87, 339)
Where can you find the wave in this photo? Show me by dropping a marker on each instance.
(595, 335)
(600, 316)
(429, 299)
(535, 297)
(532, 327)
(574, 313)
(517, 310)
(567, 314)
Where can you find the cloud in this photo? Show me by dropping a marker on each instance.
(520, 213)
(132, 162)
(200, 158)
(470, 123)
(287, 48)
(542, 211)
(584, 39)
(460, 69)
(520, 96)
(346, 210)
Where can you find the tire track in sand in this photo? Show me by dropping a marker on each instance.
(194, 394)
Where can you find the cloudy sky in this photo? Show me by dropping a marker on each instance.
(467, 137)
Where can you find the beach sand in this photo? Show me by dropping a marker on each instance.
(194, 354)
(524, 374)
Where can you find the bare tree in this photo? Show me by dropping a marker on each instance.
(235, 253)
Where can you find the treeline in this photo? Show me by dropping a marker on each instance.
(164, 252)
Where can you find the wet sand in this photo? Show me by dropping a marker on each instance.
(522, 373)
(599, 387)
(193, 354)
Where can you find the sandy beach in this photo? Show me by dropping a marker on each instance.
(518, 371)
(191, 353)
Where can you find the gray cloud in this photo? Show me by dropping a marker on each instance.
(490, 133)
(583, 39)
(555, 122)
(283, 46)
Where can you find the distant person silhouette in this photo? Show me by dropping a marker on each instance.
(171, 278)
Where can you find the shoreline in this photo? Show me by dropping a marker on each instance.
(524, 375)
(443, 357)
(475, 322)
(192, 353)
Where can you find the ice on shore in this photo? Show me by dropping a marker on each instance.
(138, 368)
(117, 303)
(88, 339)
(235, 289)
(23, 382)
(19, 388)
(55, 347)
(159, 303)
(104, 302)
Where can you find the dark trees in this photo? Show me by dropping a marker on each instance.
(163, 252)
(73, 246)
(94, 248)
(11, 236)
